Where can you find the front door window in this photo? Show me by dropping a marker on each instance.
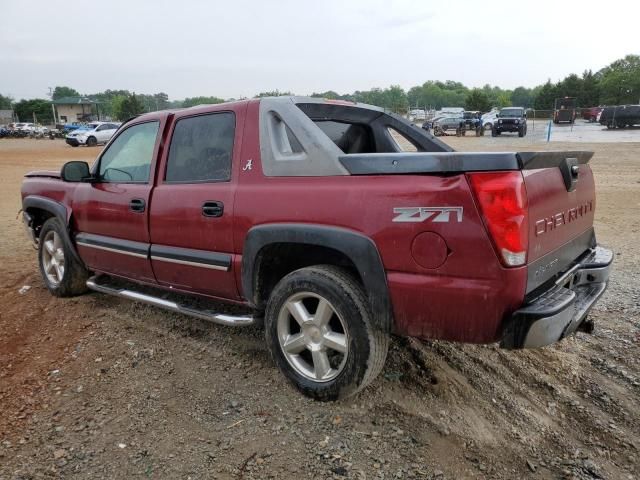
(128, 158)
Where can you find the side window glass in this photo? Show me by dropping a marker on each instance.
(201, 149)
(129, 157)
(402, 142)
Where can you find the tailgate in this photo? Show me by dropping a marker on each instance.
(561, 198)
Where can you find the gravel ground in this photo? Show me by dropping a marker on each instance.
(97, 387)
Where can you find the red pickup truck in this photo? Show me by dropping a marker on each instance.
(334, 223)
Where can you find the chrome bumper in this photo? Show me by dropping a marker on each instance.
(562, 309)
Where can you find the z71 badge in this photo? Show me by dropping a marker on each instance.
(421, 214)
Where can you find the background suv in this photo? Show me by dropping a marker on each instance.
(512, 119)
(92, 134)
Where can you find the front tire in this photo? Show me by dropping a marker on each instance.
(92, 142)
(320, 333)
(63, 275)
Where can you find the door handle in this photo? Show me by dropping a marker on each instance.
(212, 209)
(137, 205)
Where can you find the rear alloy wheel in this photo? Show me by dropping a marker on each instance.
(319, 330)
(92, 142)
(62, 273)
(315, 345)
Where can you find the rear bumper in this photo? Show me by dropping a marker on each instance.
(562, 309)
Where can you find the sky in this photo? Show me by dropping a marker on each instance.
(238, 48)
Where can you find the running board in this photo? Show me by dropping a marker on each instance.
(219, 318)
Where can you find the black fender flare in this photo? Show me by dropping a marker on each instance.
(43, 203)
(360, 249)
(56, 209)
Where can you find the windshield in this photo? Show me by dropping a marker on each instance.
(511, 112)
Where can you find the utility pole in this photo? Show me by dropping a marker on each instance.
(53, 106)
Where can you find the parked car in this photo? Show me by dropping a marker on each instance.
(620, 116)
(24, 127)
(591, 114)
(428, 125)
(511, 119)
(70, 127)
(92, 134)
(305, 213)
(446, 124)
(489, 118)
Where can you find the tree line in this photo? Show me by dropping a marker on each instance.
(615, 84)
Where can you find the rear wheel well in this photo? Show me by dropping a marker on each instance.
(274, 261)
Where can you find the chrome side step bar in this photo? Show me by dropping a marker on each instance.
(219, 318)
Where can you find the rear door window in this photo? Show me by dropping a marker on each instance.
(201, 149)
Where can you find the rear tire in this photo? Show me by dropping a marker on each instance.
(63, 275)
(333, 352)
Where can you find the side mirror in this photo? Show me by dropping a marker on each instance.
(75, 171)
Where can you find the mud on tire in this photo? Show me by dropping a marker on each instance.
(62, 273)
(297, 347)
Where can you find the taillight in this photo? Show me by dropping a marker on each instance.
(503, 201)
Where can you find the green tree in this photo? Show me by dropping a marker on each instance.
(273, 93)
(331, 95)
(193, 101)
(546, 97)
(620, 81)
(5, 102)
(393, 98)
(477, 100)
(25, 110)
(107, 99)
(128, 106)
(503, 99)
(61, 91)
(590, 94)
(436, 94)
(522, 97)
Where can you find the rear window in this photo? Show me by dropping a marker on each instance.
(348, 137)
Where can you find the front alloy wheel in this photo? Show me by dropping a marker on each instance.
(61, 269)
(53, 258)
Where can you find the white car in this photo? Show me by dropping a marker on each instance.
(488, 119)
(92, 134)
(25, 127)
